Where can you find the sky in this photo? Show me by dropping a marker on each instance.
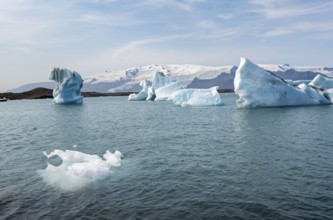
(94, 36)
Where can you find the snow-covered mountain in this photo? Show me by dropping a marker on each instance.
(191, 76)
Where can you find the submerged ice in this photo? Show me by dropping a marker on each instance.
(78, 169)
(68, 90)
(257, 87)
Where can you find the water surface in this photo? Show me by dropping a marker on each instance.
(179, 163)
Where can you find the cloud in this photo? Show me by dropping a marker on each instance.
(186, 5)
(226, 16)
(109, 20)
(275, 9)
(301, 27)
(102, 1)
(134, 45)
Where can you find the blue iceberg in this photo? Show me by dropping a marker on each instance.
(257, 87)
(68, 90)
(142, 95)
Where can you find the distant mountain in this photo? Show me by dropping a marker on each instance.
(192, 76)
(31, 86)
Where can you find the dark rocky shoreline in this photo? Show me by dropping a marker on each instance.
(43, 93)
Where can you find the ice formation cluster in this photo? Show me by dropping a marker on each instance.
(162, 88)
(68, 90)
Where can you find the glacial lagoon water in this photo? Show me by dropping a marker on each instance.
(178, 163)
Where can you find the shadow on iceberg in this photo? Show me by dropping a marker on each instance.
(257, 87)
(68, 90)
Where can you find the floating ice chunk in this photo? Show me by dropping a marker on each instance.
(297, 82)
(68, 90)
(314, 93)
(257, 87)
(151, 94)
(166, 91)
(142, 95)
(160, 79)
(322, 82)
(78, 169)
(197, 97)
(113, 159)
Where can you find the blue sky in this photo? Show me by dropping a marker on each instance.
(91, 36)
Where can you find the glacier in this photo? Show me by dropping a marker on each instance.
(68, 90)
(197, 97)
(257, 87)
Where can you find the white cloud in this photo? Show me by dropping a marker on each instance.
(135, 45)
(185, 5)
(275, 9)
(301, 27)
(278, 32)
(226, 16)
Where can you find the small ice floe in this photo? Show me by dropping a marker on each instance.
(78, 169)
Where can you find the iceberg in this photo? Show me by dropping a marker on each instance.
(325, 84)
(165, 92)
(142, 95)
(197, 97)
(68, 90)
(151, 94)
(159, 80)
(257, 87)
(322, 82)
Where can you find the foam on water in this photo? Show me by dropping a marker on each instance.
(78, 169)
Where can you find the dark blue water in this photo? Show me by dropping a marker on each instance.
(179, 163)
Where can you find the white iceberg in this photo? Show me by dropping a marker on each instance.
(322, 82)
(159, 80)
(68, 90)
(325, 84)
(142, 95)
(78, 169)
(257, 87)
(165, 92)
(197, 97)
(297, 82)
(151, 94)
